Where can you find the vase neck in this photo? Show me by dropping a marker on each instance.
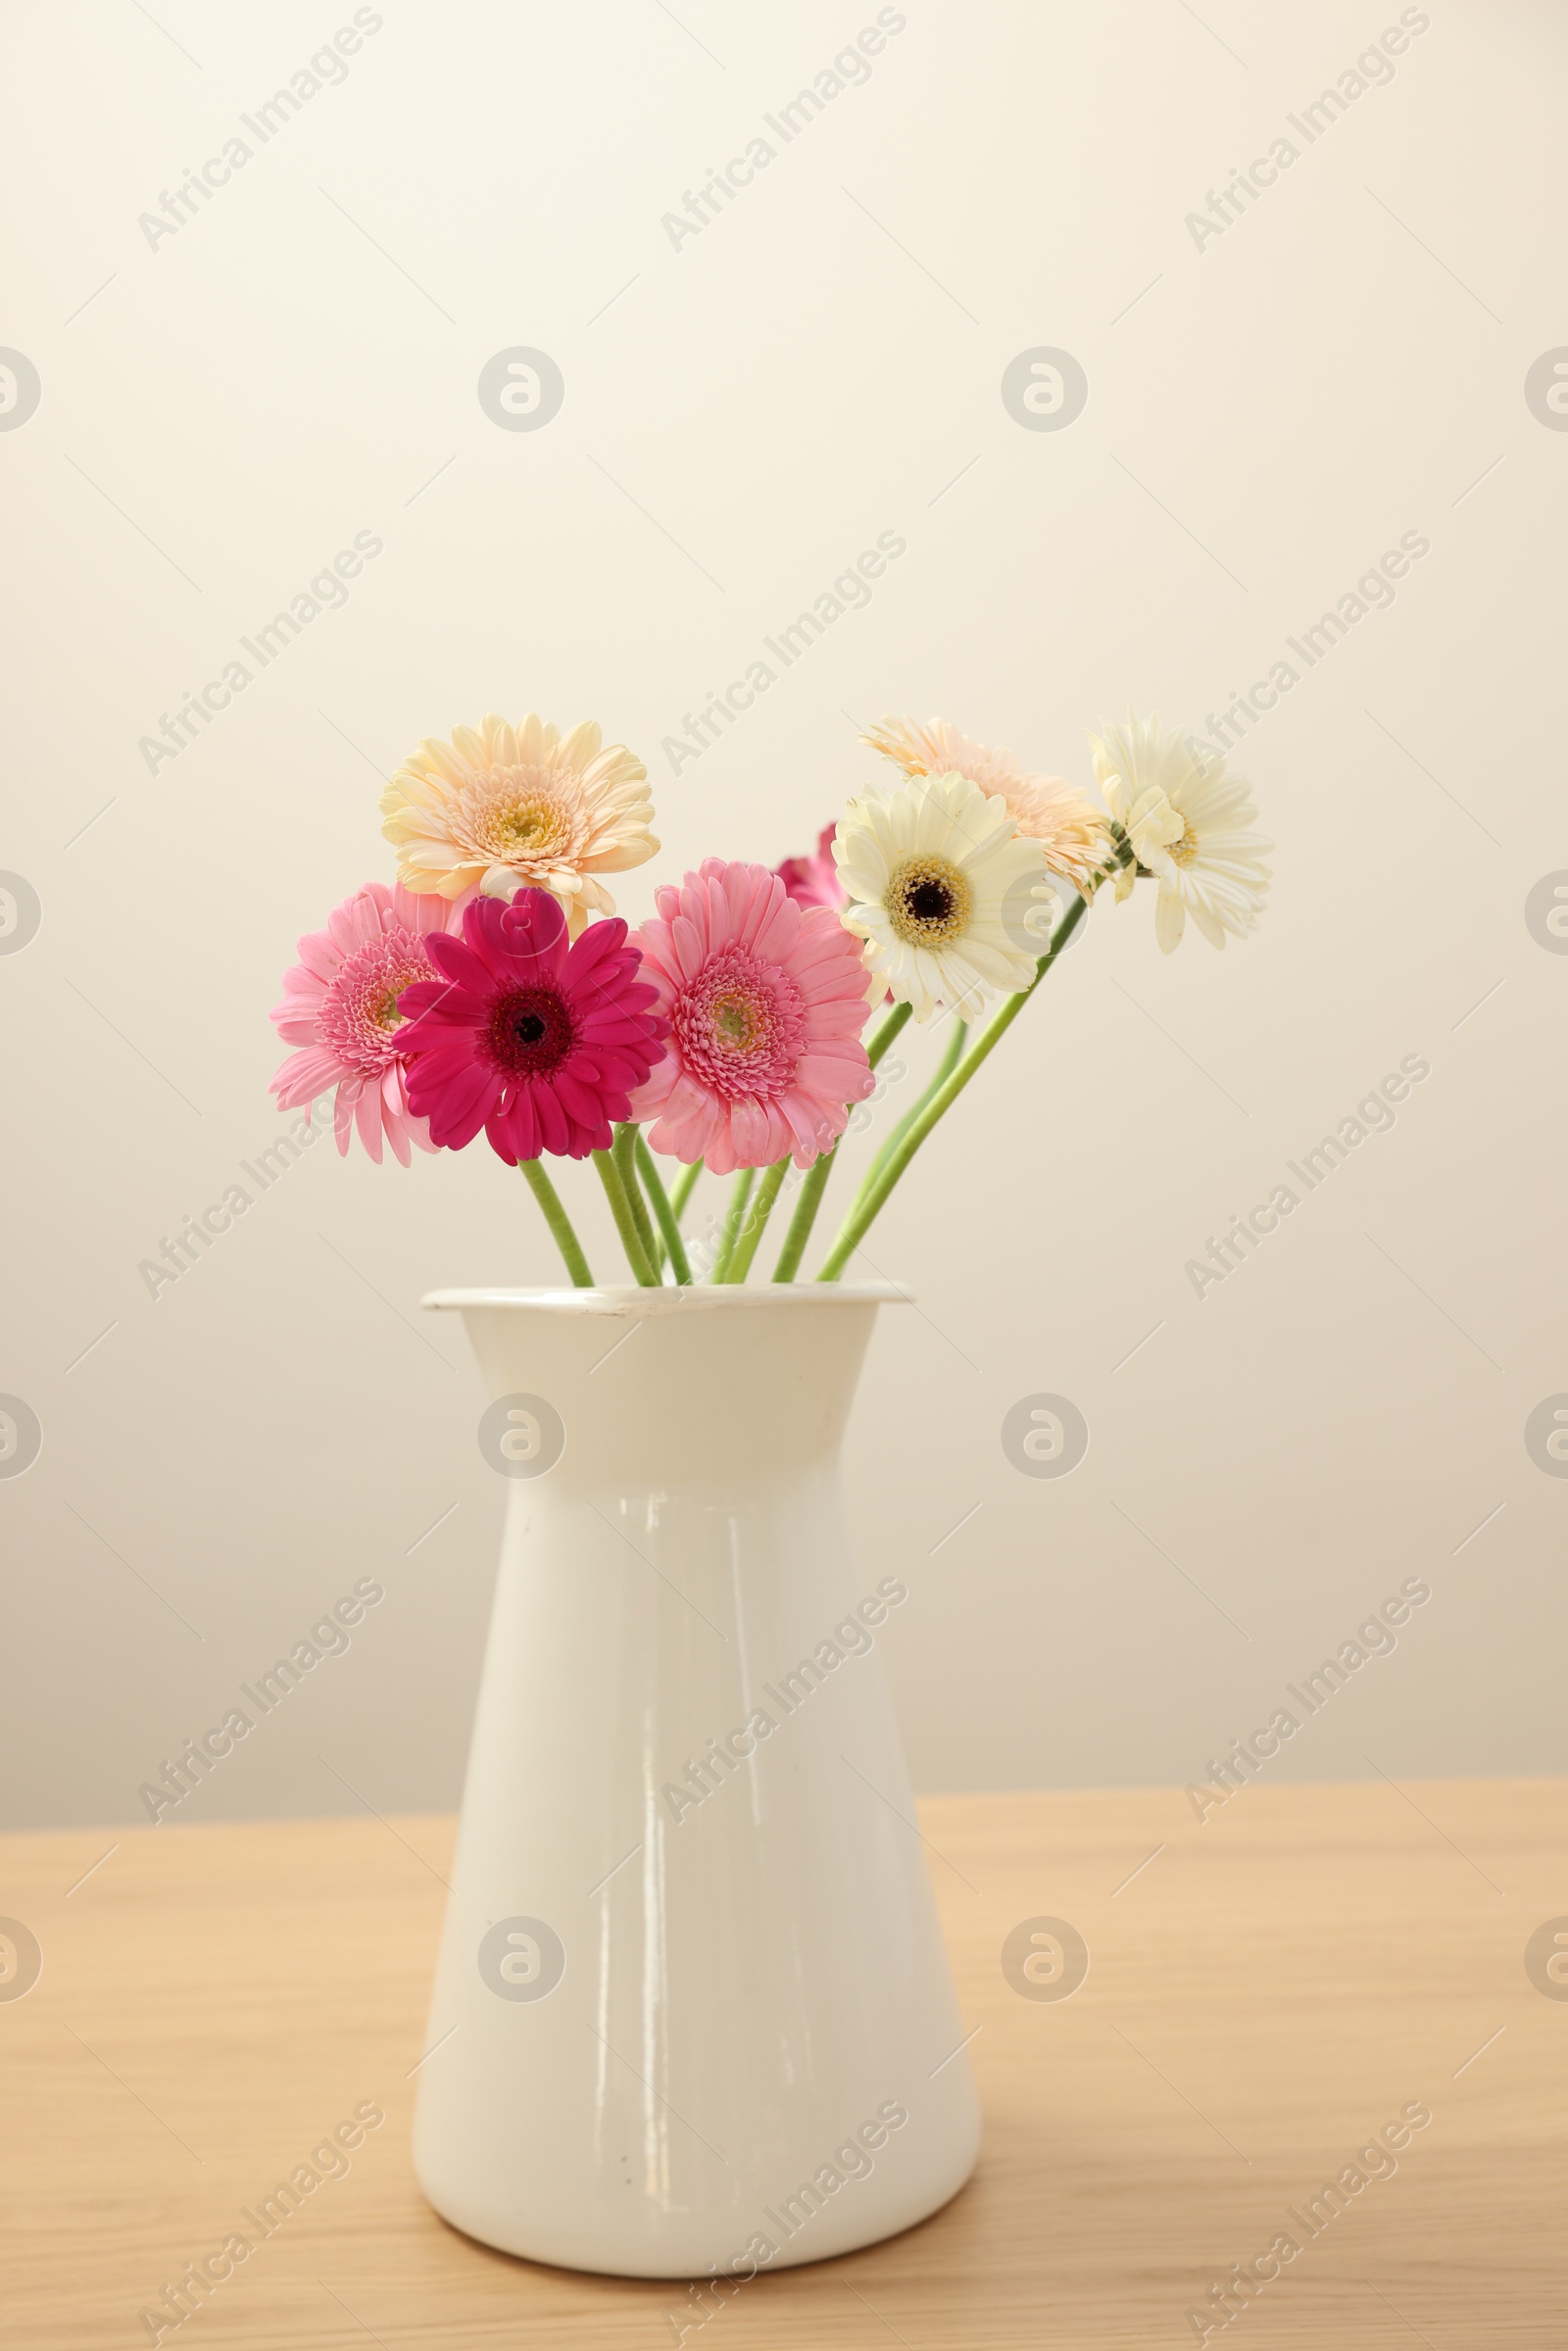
(713, 1396)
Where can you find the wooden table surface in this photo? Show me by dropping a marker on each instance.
(1267, 1991)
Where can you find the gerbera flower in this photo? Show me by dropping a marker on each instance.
(537, 1041)
(937, 876)
(341, 1010)
(1046, 809)
(813, 881)
(1188, 822)
(520, 806)
(766, 1000)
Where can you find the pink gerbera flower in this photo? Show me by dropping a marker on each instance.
(341, 1010)
(814, 881)
(538, 1042)
(766, 1000)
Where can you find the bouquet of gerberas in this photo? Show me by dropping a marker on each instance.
(493, 986)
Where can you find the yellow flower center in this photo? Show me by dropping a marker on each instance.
(521, 827)
(734, 1019)
(1182, 852)
(928, 901)
(520, 816)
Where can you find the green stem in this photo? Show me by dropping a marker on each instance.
(804, 1216)
(858, 1221)
(625, 1222)
(953, 1054)
(754, 1222)
(653, 1186)
(559, 1221)
(806, 1207)
(625, 1158)
(896, 1021)
(739, 1193)
(685, 1186)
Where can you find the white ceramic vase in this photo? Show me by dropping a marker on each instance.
(692, 2008)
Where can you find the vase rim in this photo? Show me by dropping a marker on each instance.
(630, 1300)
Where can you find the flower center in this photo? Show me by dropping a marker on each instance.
(1182, 852)
(360, 1017)
(530, 1032)
(928, 901)
(521, 827)
(736, 1020)
(519, 813)
(741, 1025)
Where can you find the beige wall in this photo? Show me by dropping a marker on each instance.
(1270, 410)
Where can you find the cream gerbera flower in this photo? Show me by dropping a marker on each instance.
(940, 887)
(1067, 823)
(515, 807)
(1187, 823)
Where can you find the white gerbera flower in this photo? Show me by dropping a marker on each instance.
(1186, 822)
(509, 807)
(942, 891)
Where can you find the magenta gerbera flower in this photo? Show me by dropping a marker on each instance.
(341, 1010)
(814, 881)
(765, 1000)
(538, 1042)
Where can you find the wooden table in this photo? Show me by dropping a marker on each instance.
(1267, 1991)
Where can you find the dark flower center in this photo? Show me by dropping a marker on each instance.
(930, 902)
(530, 1032)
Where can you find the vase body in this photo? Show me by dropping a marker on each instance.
(691, 1978)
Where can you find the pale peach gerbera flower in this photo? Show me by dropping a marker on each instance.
(519, 807)
(1043, 808)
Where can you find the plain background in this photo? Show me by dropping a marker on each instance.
(1267, 413)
